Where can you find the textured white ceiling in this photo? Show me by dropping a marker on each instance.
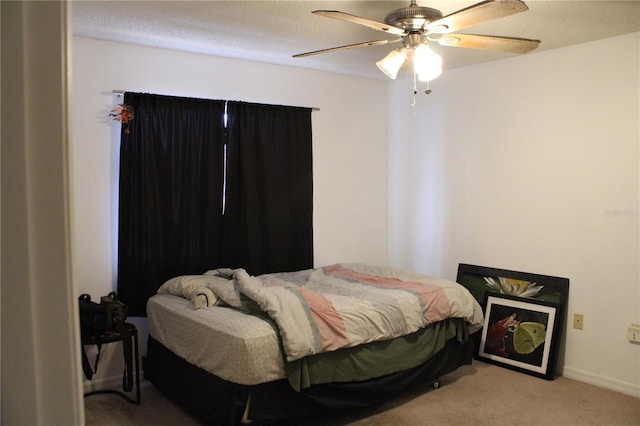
(273, 31)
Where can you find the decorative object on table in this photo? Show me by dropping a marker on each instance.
(521, 334)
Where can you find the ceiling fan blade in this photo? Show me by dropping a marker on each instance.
(502, 44)
(477, 14)
(349, 46)
(390, 29)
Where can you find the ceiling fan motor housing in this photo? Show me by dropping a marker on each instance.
(412, 18)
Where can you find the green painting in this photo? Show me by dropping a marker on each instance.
(480, 280)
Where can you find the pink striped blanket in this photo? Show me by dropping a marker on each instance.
(345, 305)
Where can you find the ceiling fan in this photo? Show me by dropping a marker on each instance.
(416, 25)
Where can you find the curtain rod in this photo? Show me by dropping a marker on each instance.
(121, 92)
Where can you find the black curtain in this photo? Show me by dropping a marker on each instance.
(171, 193)
(176, 215)
(269, 201)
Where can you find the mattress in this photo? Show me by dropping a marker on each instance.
(223, 341)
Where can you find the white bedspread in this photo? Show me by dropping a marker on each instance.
(224, 341)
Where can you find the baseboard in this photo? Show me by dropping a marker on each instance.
(601, 381)
(113, 382)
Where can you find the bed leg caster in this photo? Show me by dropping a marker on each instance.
(436, 383)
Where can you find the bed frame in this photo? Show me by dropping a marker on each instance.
(213, 400)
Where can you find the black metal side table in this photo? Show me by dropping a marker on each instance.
(112, 337)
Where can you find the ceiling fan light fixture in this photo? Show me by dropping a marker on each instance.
(416, 25)
(391, 64)
(427, 63)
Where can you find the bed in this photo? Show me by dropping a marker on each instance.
(232, 348)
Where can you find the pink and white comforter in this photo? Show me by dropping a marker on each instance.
(345, 305)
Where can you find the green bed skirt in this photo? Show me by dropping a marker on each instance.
(375, 359)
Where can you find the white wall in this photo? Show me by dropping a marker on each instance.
(531, 164)
(349, 147)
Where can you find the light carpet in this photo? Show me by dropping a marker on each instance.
(479, 394)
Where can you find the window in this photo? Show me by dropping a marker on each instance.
(207, 184)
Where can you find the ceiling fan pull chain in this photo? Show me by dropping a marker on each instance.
(415, 92)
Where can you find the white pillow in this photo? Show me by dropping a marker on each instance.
(185, 285)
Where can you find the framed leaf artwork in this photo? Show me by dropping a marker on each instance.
(521, 334)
